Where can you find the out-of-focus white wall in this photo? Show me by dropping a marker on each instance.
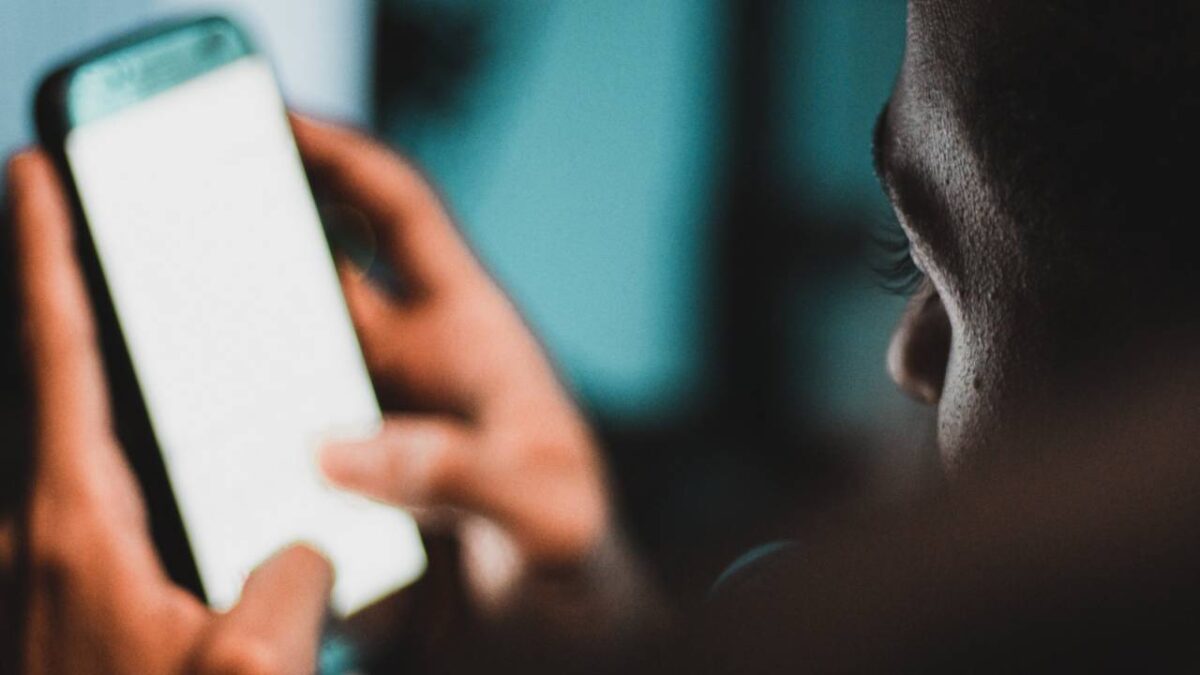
(322, 48)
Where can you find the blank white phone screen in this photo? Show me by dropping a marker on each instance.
(228, 298)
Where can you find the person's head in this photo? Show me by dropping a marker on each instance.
(1042, 159)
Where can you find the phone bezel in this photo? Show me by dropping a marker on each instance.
(59, 108)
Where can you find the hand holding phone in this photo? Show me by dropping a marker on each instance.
(98, 601)
(232, 354)
(498, 434)
(490, 440)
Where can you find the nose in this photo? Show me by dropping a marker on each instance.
(920, 349)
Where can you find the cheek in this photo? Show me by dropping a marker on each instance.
(956, 410)
(989, 368)
(968, 413)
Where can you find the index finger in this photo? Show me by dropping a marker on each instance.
(60, 336)
(416, 232)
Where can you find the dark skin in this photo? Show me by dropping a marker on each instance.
(962, 341)
(1003, 150)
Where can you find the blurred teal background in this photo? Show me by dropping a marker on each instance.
(582, 166)
(583, 150)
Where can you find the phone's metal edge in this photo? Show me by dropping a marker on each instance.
(53, 101)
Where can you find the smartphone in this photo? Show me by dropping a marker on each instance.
(230, 350)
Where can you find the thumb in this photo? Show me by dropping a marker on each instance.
(415, 461)
(276, 626)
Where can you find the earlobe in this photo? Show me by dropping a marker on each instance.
(920, 349)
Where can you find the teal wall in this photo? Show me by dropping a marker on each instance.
(842, 61)
(841, 64)
(582, 171)
(583, 166)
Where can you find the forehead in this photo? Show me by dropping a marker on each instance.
(970, 51)
(940, 26)
(946, 48)
(935, 165)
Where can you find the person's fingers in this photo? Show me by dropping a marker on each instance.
(373, 314)
(551, 508)
(400, 349)
(414, 461)
(276, 626)
(66, 368)
(415, 232)
(85, 511)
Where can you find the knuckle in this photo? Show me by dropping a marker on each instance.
(52, 561)
(398, 476)
(52, 548)
(444, 477)
(62, 534)
(240, 656)
(70, 529)
(47, 559)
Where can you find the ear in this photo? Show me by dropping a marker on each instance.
(920, 347)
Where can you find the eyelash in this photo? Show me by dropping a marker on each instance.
(892, 259)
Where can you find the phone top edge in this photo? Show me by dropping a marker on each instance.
(133, 67)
